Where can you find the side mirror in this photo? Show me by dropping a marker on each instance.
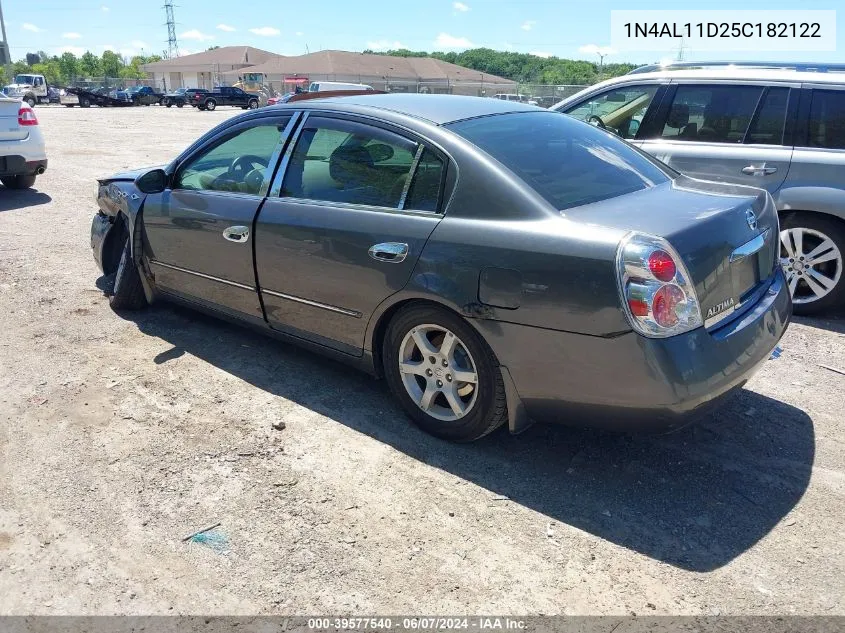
(154, 181)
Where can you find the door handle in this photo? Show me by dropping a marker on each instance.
(758, 170)
(239, 234)
(393, 252)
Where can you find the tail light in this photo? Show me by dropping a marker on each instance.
(26, 116)
(657, 293)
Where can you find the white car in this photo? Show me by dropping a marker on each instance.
(22, 152)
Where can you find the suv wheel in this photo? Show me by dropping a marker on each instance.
(812, 253)
(210, 105)
(253, 104)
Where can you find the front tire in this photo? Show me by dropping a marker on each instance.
(18, 182)
(444, 374)
(128, 293)
(813, 257)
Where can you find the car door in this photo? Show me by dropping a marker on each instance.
(622, 109)
(727, 132)
(199, 229)
(343, 227)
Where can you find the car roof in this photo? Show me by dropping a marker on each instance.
(437, 109)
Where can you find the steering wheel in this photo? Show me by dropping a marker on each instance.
(246, 170)
(242, 165)
(595, 119)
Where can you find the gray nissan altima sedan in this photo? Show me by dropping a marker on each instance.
(493, 261)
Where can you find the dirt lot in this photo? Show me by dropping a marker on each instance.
(120, 435)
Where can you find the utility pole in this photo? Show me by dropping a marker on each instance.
(5, 54)
(172, 45)
(601, 63)
(681, 49)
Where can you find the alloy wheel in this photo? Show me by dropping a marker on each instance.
(438, 372)
(812, 263)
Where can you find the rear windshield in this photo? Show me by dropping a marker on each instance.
(568, 162)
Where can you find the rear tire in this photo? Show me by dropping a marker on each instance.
(253, 104)
(84, 103)
(18, 182)
(179, 105)
(30, 101)
(210, 105)
(483, 401)
(128, 292)
(815, 287)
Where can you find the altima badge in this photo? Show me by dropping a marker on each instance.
(751, 219)
(721, 307)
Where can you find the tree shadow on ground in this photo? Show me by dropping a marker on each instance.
(695, 499)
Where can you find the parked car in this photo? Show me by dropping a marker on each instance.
(179, 97)
(781, 129)
(22, 152)
(225, 96)
(494, 261)
(332, 86)
(139, 95)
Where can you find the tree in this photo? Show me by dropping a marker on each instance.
(111, 64)
(32, 59)
(90, 65)
(69, 66)
(51, 71)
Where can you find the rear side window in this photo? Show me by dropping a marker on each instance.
(568, 162)
(711, 114)
(768, 123)
(827, 119)
(352, 163)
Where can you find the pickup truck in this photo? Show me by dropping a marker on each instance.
(225, 96)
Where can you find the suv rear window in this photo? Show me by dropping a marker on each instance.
(827, 119)
(568, 162)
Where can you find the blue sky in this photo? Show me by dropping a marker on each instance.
(290, 27)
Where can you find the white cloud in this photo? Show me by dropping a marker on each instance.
(385, 45)
(593, 49)
(71, 36)
(542, 54)
(76, 50)
(226, 27)
(31, 27)
(106, 47)
(460, 6)
(528, 25)
(299, 33)
(444, 40)
(266, 31)
(104, 9)
(194, 34)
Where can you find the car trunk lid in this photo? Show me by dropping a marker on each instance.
(726, 235)
(10, 129)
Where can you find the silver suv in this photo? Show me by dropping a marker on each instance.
(778, 127)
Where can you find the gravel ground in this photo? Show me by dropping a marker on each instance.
(121, 435)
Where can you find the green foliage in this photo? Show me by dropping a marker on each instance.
(111, 64)
(90, 66)
(523, 67)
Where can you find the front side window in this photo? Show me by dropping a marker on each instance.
(827, 119)
(238, 164)
(711, 114)
(620, 110)
(353, 163)
(565, 161)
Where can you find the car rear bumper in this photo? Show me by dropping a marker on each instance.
(20, 166)
(630, 382)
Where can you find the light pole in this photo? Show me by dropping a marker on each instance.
(601, 62)
(5, 53)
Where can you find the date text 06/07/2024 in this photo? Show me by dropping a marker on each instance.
(723, 29)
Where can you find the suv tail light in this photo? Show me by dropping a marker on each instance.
(26, 116)
(657, 293)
